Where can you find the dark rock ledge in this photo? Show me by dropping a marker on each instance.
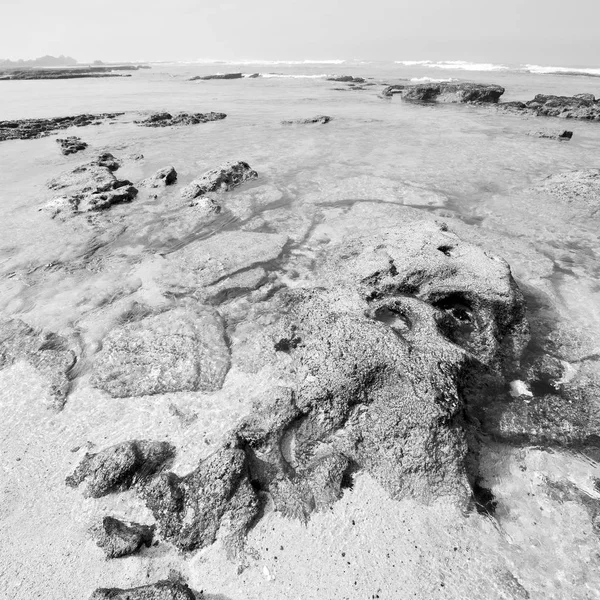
(25, 129)
(473, 93)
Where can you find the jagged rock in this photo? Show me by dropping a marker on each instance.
(161, 590)
(181, 349)
(379, 358)
(90, 187)
(228, 176)
(166, 119)
(191, 510)
(218, 265)
(475, 93)
(118, 538)
(347, 79)
(120, 467)
(582, 106)
(26, 129)
(552, 135)
(162, 177)
(48, 352)
(320, 119)
(390, 90)
(71, 145)
(217, 76)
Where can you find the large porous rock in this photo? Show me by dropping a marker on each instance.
(581, 106)
(48, 352)
(453, 92)
(71, 145)
(161, 590)
(319, 120)
(120, 467)
(162, 177)
(376, 362)
(90, 187)
(181, 349)
(222, 266)
(166, 119)
(222, 179)
(26, 129)
(118, 538)
(216, 498)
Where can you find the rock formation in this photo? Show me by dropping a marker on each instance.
(48, 352)
(475, 93)
(390, 90)
(90, 187)
(162, 177)
(217, 76)
(118, 538)
(320, 119)
(120, 467)
(25, 129)
(580, 106)
(347, 79)
(166, 119)
(226, 177)
(71, 145)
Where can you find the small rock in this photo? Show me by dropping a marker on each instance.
(120, 467)
(346, 79)
(118, 538)
(390, 90)
(161, 590)
(320, 119)
(222, 179)
(162, 177)
(71, 145)
(552, 135)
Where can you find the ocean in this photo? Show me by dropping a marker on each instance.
(473, 166)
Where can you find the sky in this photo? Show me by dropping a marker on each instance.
(552, 32)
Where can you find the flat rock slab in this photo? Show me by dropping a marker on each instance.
(166, 119)
(319, 119)
(211, 261)
(120, 467)
(48, 352)
(161, 590)
(173, 351)
(118, 538)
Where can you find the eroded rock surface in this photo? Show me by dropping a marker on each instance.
(48, 352)
(71, 145)
(118, 538)
(580, 106)
(166, 119)
(319, 119)
(377, 362)
(222, 179)
(120, 467)
(26, 129)
(182, 349)
(90, 187)
(161, 590)
(475, 93)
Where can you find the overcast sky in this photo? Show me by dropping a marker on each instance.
(549, 32)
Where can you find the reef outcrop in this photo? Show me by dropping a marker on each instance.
(472, 93)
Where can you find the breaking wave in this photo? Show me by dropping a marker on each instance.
(202, 61)
(432, 80)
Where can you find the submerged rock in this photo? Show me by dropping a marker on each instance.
(320, 119)
(226, 177)
(47, 352)
(71, 145)
(26, 129)
(118, 538)
(475, 93)
(90, 187)
(161, 590)
(390, 90)
(166, 119)
(552, 135)
(120, 467)
(162, 177)
(182, 349)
